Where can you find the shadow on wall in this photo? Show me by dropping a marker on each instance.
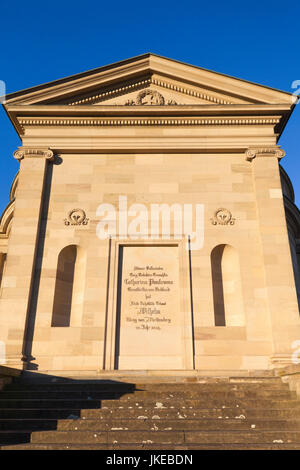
(227, 287)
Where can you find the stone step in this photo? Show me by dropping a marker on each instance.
(14, 437)
(32, 413)
(200, 402)
(128, 387)
(153, 447)
(238, 413)
(151, 437)
(176, 424)
(194, 413)
(140, 404)
(145, 395)
(165, 437)
(4, 381)
(150, 413)
(149, 424)
(29, 424)
(49, 404)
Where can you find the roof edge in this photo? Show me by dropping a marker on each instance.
(124, 62)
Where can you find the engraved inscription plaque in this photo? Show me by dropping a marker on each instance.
(149, 331)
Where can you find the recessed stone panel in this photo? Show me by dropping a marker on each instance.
(149, 330)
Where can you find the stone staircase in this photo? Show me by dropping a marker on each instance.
(196, 413)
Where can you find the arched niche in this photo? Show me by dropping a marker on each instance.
(227, 287)
(69, 287)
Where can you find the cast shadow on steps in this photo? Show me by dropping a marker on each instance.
(36, 402)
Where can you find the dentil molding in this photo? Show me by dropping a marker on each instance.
(147, 122)
(161, 83)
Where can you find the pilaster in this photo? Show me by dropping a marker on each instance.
(279, 279)
(20, 262)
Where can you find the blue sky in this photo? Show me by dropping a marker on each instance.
(256, 41)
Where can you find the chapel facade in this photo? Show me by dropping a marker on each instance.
(150, 227)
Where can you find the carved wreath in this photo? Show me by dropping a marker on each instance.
(152, 98)
(222, 217)
(149, 98)
(76, 217)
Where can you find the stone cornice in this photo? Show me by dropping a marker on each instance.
(186, 115)
(95, 98)
(23, 152)
(258, 110)
(254, 152)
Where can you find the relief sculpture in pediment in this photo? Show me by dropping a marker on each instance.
(149, 97)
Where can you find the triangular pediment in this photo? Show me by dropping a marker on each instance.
(152, 90)
(148, 80)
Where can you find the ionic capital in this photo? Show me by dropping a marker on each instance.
(275, 151)
(23, 152)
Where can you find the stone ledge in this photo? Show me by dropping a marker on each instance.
(291, 375)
